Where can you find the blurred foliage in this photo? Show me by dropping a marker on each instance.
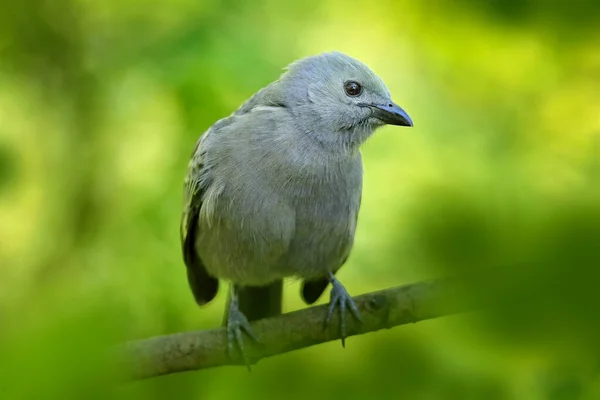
(101, 104)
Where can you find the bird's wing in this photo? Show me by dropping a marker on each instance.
(204, 287)
(313, 289)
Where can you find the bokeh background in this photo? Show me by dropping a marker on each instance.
(101, 103)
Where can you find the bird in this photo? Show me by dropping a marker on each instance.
(273, 191)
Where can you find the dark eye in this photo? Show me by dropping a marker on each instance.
(352, 88)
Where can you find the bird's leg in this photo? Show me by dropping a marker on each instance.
(237, 323)
(341, 299)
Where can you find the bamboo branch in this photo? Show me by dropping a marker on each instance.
(387, 308)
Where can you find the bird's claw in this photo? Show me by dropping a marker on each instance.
(237, 325)
(341, 298)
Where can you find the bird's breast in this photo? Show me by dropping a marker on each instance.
(326, 204)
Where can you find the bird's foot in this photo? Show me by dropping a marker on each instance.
(237, 325)
(340, 298)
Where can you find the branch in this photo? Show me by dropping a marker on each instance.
(387, 308)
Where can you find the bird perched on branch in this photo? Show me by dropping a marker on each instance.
(273, 191)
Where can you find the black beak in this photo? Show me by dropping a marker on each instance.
(390, 113)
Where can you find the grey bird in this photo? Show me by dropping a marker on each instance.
(274, 190)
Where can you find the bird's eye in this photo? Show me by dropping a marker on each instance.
(352, 88)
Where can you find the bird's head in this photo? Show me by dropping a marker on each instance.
(338, 99)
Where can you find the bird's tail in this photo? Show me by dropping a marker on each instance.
(258, 302)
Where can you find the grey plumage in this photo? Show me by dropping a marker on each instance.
(273, 191)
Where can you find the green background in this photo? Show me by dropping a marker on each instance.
(101, 103)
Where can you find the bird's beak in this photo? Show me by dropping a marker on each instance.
(391, 114)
